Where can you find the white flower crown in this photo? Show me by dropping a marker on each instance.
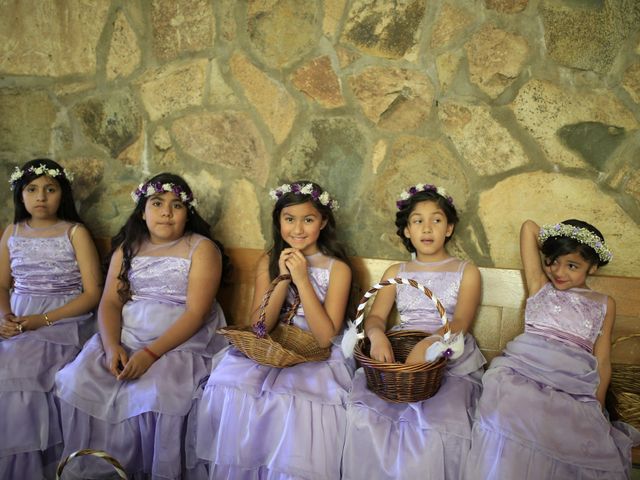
(41, 169)
(405, 195)
(305, 189)
(582, 235)
(151, 188)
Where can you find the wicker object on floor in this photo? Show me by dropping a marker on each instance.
(624, 389)
(285, 345)
(398, 382)
(119, 470)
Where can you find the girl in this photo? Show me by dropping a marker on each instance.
(431, 438)
(540, 414)
(128, 392)
(259, 422)
(50, 281)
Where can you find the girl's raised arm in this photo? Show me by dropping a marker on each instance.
(202, 287)
(530, 254)
(110, 317)
(375, 324)
(602, 351)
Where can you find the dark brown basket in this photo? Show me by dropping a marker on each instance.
(624, 389)
(397, 382)
(285, 345)
(97, 453)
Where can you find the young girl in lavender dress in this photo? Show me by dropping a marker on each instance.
(541, 411)
(130, 389)
(50, 281)
(431, 438)
(255, 421)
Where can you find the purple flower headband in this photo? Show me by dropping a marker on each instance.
(151, 188)
(39, 170)
(582, 235)
(403, 201)
(305, 189)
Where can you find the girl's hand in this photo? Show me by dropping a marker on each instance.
(419, 351)
(31, 322)
(296, 263)
(116, 358)
(284, 256)
(380, 347)
(9, 327)
(137, 365)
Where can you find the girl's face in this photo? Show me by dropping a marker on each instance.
(41, 199)
(300, 227)
(166, 217)
(427, 228)
(569, 271)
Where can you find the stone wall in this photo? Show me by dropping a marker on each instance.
(520, 108)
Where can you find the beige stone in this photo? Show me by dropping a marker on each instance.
(270, 98)
(450, 25)
(227, 28)
(496, 58)
(483, 142)
(181, 26)
(220, 93)
(542, 108)
(507, 6)
(207, 187)
(124, 53)
(379, 152)
(162, 139)
(132, 155)
(333, 13)
(87, 175)
(385, 29)
(346, 56)
(319, 81)
(447, 66)
(174, 87)
(50, 38)
(282, 31)
(550, 198)
(631, 81)
(228, 140)
(396, 99)
(239, 224)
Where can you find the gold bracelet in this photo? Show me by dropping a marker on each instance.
(46, 320)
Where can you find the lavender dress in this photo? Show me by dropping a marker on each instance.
(46, 276)
(140, 422)
(538, 416)
(258, 422)
(428, 439)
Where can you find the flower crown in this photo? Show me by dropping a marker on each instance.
(41, 169)
(582, 235)
(403, 201)
(151, 188)
(305, 189)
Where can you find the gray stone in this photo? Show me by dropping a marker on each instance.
(112, 121)
(50, 38)
(396, 99)
(631, 81)
(181, 26)
(282, 31)
(594, 141)
(226, 140)
(385, 29)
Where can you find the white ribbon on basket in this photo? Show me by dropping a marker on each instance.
(450, 345)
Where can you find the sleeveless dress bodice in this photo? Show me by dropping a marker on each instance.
(160, 279)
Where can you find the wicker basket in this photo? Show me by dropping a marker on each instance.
(119, 470)
(397, 382)
(624, 389)
(285, 345)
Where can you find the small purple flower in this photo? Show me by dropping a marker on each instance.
(295, 188)
(413, 190)
(315, 194)
(260, 329)
(447, 353)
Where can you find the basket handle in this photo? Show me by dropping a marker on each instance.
(260, 328)
(97, 453)
(355, 330)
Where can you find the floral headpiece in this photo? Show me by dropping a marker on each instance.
(151, 188)
(305, 189)
(421, 187)
(582, 235)
(41, 169)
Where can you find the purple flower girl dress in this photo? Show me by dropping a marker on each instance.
(427, 439)
(46, 276)
(141, 422)
(538, 416)
(259, 422)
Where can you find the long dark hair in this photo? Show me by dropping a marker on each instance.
(134, 232)
(554, 247)
(67, 208)
(402, 216)
(327, 242)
